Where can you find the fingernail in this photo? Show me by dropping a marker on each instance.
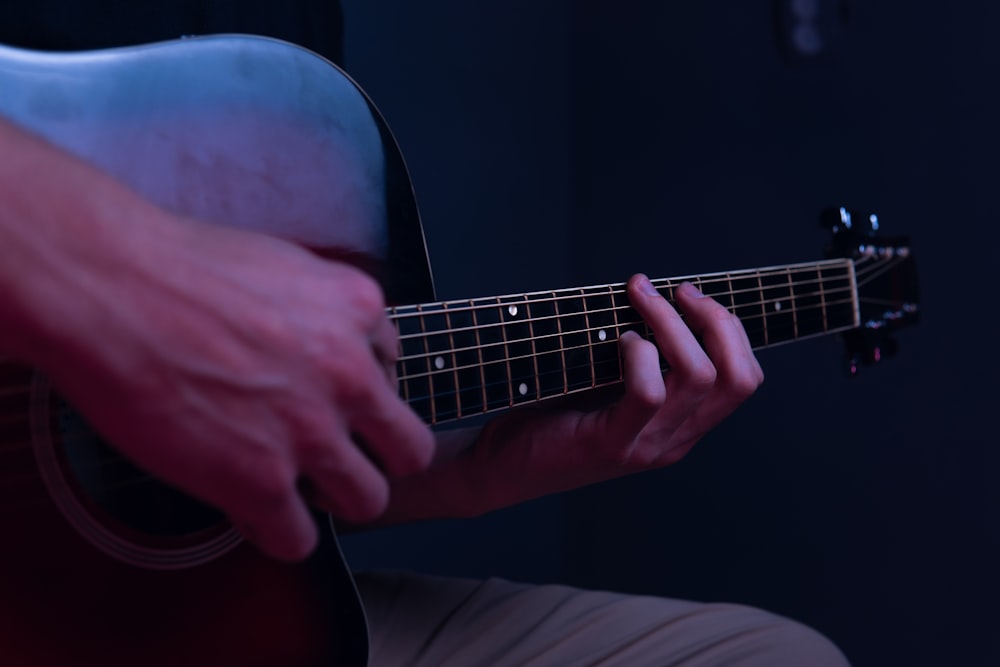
(691, 291)
(646, 287)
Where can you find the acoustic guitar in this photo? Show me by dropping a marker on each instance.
(101, 564)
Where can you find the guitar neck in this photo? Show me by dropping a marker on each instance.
(465, 358)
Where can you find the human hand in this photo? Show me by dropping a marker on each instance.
(655, 423)
(236, 366)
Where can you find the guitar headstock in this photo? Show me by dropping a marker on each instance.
(888, 289)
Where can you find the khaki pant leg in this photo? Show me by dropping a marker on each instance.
(421, 621)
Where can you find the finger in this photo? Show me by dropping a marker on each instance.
(726, 342)
(284, 530)
(644, 390)
(739, 373)
(393, 433)
(346, 483)
(385, 343)
(691, 375)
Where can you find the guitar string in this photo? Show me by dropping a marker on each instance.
(397, 316)
(746, 320)
(603, 291)
(498, 307)
(457, 307)
(794, 311)
(876, 272)
(448, 371)
(408, 377)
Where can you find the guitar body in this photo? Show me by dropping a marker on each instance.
(100, 564)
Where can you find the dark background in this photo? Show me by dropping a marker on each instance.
(562, 143)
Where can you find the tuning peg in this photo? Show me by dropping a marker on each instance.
(842, 220)
(837, 220)
(867, 347)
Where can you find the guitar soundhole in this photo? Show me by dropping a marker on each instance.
(123, 493)
(119, 508)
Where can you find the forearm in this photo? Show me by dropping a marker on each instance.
(448, 489)
(515, 458)
(57, 216)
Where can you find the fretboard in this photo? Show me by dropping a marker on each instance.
(465, 358)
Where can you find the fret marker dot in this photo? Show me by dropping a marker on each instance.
(512, 310)
(602, 335)
(439, 363)
(777, 305)
(522, 389)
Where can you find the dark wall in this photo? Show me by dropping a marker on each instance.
(562, 143)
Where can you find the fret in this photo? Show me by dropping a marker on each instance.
(745, 291)
(724, 295)
(763, 308)
(414, 365)
(668, 291)
(518, 349)
(822, 299)
(838, 287)
(430, 371)
(479, 354)
(587, 329)
(697, 282)
(548, 356)
(852, 272)
(602, 334)
(493, 349)
(466, 359)
(449, 328)
(404, 384)
(440, 358)
(534, 345)
(808, 304)
(574, 327)
(791, 299)
(778, 307)
(615, 306)
(562, 342)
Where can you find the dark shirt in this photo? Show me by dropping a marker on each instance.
(70, 25)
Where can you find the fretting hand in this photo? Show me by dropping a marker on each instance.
(539, 450)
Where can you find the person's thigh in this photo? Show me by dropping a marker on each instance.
(426, 621)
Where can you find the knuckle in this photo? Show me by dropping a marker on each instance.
(745, 384)
(649, 396)
(354, 392)
(367, 295)
(271, 487)
(367, 504)
(312, 424)
(702, 376)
